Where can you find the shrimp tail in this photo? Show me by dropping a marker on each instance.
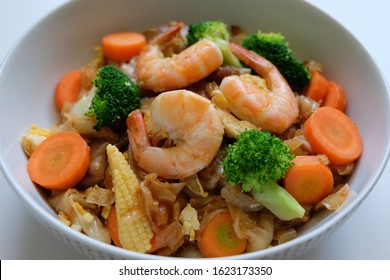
(274, 79)
(250, 58)
(136, 130)
(168, 35)
(262, 66)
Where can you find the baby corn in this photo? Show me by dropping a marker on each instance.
(134, 229)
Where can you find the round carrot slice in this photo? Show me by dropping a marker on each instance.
(122, 46)
(331, 132)
(218, 238)
(60, 161)
(309, 180)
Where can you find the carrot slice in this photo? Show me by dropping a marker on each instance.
(335, 96)
(218, 238)
(309, 180)
(60, 161)
(67, 89)
(122, 46)
(112, 227)
(331, 132)
(154, 247)
(317, 87)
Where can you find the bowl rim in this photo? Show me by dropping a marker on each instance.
(44, 215)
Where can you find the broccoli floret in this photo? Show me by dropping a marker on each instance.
(216, 31)
(256, 161)
(115, 97)
(274, 48)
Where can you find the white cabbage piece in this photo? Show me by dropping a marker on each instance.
(80, 213)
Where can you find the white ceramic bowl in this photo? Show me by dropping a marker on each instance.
(65, 38)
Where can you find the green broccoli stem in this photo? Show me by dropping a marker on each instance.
(228, 57)
(277, 200)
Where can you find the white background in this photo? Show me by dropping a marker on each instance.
(366, 235)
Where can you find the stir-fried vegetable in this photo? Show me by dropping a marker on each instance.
(331, 132)
(115, 97)
(122, 46)
(60, 161)
(256, 161)
(218, 239)
(309, 180)
(134, 230)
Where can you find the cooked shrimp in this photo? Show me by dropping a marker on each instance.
(158, 73)
(190, 121)
(270, 105)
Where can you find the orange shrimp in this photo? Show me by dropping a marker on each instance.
(158, 73)
(190, 121)
(270, 103)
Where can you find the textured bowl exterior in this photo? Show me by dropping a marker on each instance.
(65, 38)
